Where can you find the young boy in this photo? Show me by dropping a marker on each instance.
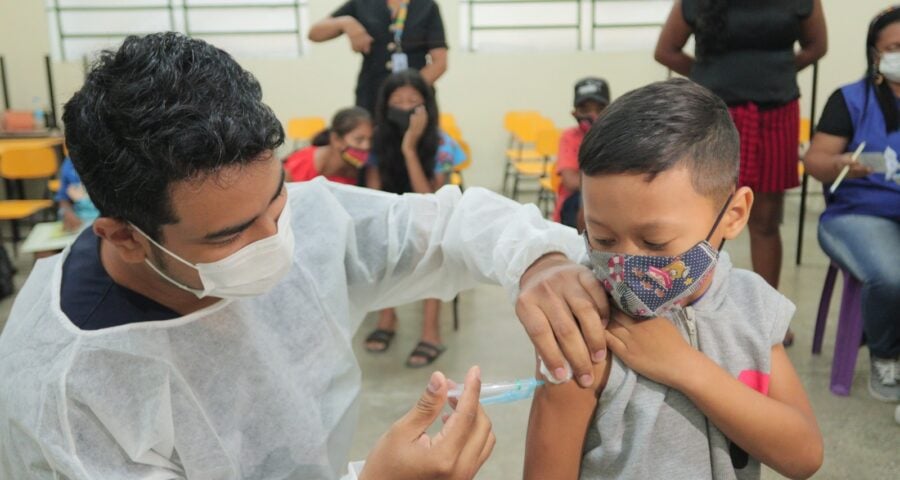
(698, 384)
(591, 97)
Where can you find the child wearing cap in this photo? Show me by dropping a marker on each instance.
(591, 97)
(698, 384)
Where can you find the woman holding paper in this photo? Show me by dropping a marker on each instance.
(860, 228)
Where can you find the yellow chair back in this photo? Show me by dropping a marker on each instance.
(547, 142)
(805, 130)
(468, 151)
(28, 164)
(305, 128)
(527, 128)
(555, 178)
(513, 119)
(448, 121)
(454, 132)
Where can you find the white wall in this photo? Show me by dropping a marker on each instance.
(478, 88)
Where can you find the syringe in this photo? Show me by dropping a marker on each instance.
(502, 392)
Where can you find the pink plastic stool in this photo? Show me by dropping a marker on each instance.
(849, 332)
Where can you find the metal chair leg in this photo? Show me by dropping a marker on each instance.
(15, 237)
(456, 313)
(804, 185)
(515, 190)
(506, 171)
(824, 304)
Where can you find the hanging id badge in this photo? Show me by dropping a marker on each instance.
(399, 62)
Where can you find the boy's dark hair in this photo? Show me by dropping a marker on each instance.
(344, 121)
(163, 108)
(652, 129)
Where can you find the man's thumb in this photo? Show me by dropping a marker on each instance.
(430, 404)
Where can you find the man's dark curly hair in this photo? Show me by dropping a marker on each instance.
(161, 109)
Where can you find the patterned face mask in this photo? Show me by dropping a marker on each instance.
(647, 286)
(355, 157)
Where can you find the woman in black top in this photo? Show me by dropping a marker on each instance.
(745, 54)
(373, 27)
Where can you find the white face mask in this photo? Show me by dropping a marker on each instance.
(889, 66)
(248, 272)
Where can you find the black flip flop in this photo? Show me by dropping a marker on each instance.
(429, 351)
(380, 336)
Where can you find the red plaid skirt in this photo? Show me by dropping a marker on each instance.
(769, 146)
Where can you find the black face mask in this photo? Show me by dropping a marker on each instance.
(399, 117)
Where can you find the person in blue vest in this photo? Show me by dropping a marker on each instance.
(860, 228)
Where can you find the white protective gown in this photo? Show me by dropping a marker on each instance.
(261, 388)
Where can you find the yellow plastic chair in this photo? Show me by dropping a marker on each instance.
(525, 133)
(447, 121)
(25, 164)
(516, 150)
(545, 138)
(803, 143)
(303, 129)
(456, 177)
(523, 130)
(805, 127)
(549, 188)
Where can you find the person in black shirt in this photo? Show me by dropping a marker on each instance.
(745, 54)
(374, 27)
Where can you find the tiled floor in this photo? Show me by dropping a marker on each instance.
(862, 441)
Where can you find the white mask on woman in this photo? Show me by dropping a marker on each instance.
(248, 272)
(889, 66)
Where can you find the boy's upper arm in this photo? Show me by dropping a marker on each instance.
(570, 398)
(559, 421)
(601, 376)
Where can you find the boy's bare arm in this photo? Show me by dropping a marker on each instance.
(779, 430)
(559, 420)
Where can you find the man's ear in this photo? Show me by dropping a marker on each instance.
(130, 245)
(735, 219)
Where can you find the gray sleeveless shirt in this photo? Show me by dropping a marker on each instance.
(643, 429)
